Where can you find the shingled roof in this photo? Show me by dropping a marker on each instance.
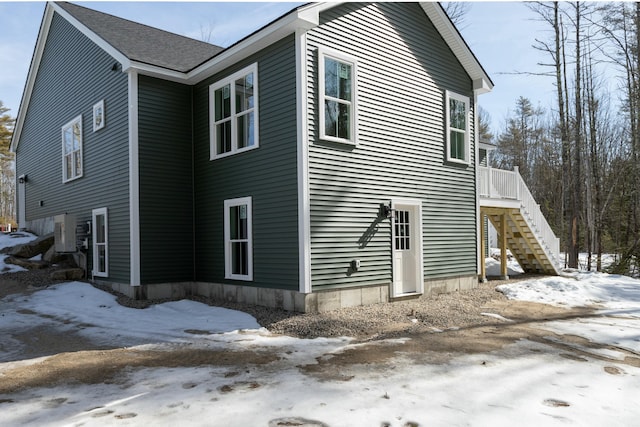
(142, 43)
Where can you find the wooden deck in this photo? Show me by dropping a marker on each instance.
(506, 201)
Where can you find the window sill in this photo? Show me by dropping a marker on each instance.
(236, 277)
(459, 162)
(338, 140)
(64, 181)
(232, 153)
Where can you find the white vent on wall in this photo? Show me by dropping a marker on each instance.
(65, 233)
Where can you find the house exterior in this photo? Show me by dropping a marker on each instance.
(326, 160)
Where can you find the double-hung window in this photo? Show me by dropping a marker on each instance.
(238, 239)
(337, 90)
(72, 150)
(100, 232)
(233, 104)
(457, 132)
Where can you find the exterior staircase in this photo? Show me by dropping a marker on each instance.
(507, 202)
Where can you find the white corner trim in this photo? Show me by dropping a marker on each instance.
(476, 144)
(134, 181)
(304, 209)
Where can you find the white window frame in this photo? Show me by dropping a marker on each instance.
(323, 53)
(99, 116)
(467, 132)
(94, 232)
(230, 80)
(65, 177)
(228, 204)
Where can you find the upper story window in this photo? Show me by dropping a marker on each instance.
(72, 150)
(458, 118)
(233, 104)
(337, 100)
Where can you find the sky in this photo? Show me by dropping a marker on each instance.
(499, 33)
(573, 373)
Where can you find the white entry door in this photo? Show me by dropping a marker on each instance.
(406, 250)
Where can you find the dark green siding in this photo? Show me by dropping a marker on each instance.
(404, 69)
(166, 195)
(75, 74)
(268, 174)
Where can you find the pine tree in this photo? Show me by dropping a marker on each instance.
(7, 174)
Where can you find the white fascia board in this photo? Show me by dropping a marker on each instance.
(37, 57)
(481, 86)
(155, 71)
(481, 81)
(31, 76)
(300, 19)
(116, 54)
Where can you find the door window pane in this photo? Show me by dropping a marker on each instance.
(402, 230)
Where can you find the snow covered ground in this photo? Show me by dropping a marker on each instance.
(526, 383)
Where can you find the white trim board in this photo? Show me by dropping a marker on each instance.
(304, 209)
(134, 182)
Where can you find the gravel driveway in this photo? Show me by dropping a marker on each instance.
(378, 321)
(473, 321)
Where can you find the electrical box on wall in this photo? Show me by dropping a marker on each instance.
(65, 233)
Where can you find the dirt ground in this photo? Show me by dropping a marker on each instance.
(77, 360)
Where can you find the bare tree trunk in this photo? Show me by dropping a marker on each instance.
(576, 201)
(635, 146)
(564, 131)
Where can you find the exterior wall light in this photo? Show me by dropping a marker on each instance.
(386, 211)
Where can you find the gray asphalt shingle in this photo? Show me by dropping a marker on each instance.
(142, 43)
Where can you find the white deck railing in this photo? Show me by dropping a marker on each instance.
(509, 185)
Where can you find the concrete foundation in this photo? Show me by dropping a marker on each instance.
(316, 302)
